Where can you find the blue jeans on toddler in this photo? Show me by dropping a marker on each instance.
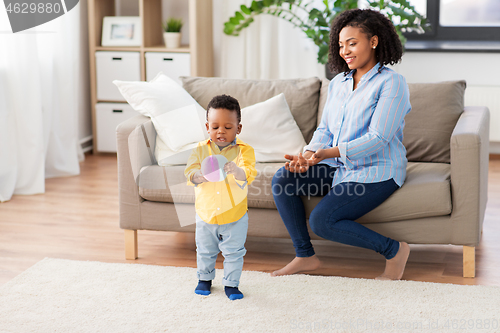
(226, 238)
(333, 217)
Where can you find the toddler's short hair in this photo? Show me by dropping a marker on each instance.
(225, 102)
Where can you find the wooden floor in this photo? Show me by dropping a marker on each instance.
(77, 218)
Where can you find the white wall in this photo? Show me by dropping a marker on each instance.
(478, 69)
(84, 112)
(481, 71)
(217, 31)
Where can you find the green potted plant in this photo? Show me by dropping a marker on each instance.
(172, 32)
(316, 23)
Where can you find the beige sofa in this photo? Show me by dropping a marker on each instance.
(443, 200)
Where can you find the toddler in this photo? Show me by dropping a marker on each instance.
(221, 204)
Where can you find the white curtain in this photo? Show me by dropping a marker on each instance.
(39, 101)
(270, 48)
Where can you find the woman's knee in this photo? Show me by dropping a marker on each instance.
(280, 176)
(281, 181)
(317, 222)
(321, 220)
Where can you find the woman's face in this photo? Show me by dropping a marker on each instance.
(357, 49)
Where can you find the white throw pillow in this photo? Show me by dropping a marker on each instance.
(165, 156)
(178, 119)
(269, 127)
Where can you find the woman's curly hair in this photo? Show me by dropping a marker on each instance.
(373, 23)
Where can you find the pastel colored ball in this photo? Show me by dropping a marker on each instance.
(212, 168)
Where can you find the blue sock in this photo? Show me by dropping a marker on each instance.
(233, 293)
(203, 288)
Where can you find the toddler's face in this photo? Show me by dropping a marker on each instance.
(222, 126)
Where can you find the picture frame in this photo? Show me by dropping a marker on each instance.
(121, 31)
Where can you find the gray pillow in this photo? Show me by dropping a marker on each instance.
(323, 95)
(436, 108)
(302, 95)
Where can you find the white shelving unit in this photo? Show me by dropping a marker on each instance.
(110, 63)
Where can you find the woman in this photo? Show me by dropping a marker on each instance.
(356, 158)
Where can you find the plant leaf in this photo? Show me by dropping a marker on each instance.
(239, 15)
(317, 24)
(246, 10)
(323, 54)
(257, 5)
(228, 28)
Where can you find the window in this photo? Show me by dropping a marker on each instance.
(469, 13)
(459, 20)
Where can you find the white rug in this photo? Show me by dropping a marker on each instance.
(58, 295)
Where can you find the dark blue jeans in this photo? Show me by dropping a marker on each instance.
(333, 217)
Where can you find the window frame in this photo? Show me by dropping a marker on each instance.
(441, 33)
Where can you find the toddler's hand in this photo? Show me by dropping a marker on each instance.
(198, 178)
(230, 168)
(236, 171)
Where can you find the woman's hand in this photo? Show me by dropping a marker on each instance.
(322, 154)
(318, 156)
(299, 163)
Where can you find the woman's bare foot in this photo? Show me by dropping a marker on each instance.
(299, 264)
(395, 267)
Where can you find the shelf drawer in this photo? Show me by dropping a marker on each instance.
(108, 117)
(125, 66)
(171, 64)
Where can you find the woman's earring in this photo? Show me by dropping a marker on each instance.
(374, 47)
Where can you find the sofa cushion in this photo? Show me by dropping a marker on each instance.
(302, 95)
(436, 108)
(323, 95)
(166, 184)
(426, 191)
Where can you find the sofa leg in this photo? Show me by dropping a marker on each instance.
(469, 261)
(131, 250)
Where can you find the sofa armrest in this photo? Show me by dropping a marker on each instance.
(136, 139)
(469, 152)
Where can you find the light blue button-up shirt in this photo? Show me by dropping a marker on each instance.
(366, 125)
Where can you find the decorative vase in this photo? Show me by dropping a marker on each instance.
(172, 39)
